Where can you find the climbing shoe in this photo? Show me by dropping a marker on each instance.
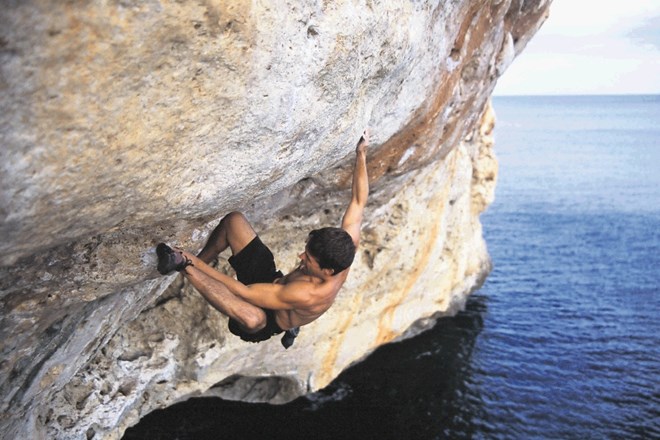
(290, 337)
(170, 260)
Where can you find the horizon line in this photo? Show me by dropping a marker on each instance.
(521, 95)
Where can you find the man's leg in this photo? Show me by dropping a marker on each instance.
(201, 276)
(234, 231)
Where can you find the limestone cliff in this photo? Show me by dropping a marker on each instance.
(125, 123)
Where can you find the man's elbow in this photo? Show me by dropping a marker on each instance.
(360, 202)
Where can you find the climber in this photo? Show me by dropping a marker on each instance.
(263, 302)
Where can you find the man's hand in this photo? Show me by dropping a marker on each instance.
(363, 143)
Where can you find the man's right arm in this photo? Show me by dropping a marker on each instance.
(269, 295)
(352, 220)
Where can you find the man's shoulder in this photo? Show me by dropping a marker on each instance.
(309, 289)
(301, 286)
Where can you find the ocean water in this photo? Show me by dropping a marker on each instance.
(563, 340)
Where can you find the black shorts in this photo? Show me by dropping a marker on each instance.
(255, 264)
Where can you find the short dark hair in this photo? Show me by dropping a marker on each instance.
(333, 248)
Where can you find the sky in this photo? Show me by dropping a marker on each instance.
(590, 47)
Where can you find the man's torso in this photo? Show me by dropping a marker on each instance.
(321, 296)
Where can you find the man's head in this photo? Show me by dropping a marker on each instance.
(333, 248)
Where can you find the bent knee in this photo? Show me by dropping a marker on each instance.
(233, 217)
(253, 320)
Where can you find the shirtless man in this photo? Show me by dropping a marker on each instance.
(263, 302)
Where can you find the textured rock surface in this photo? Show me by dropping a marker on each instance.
(125, 123)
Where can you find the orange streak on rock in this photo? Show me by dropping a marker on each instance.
(386, 332)
(327, 371)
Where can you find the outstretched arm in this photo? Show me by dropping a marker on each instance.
(352, 220)
(265, 295)
(271, 296)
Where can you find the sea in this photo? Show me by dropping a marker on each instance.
(563, 339)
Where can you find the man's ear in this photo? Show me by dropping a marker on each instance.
(328, 271)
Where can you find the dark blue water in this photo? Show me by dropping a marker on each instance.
(571, 341)
(563, 340)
